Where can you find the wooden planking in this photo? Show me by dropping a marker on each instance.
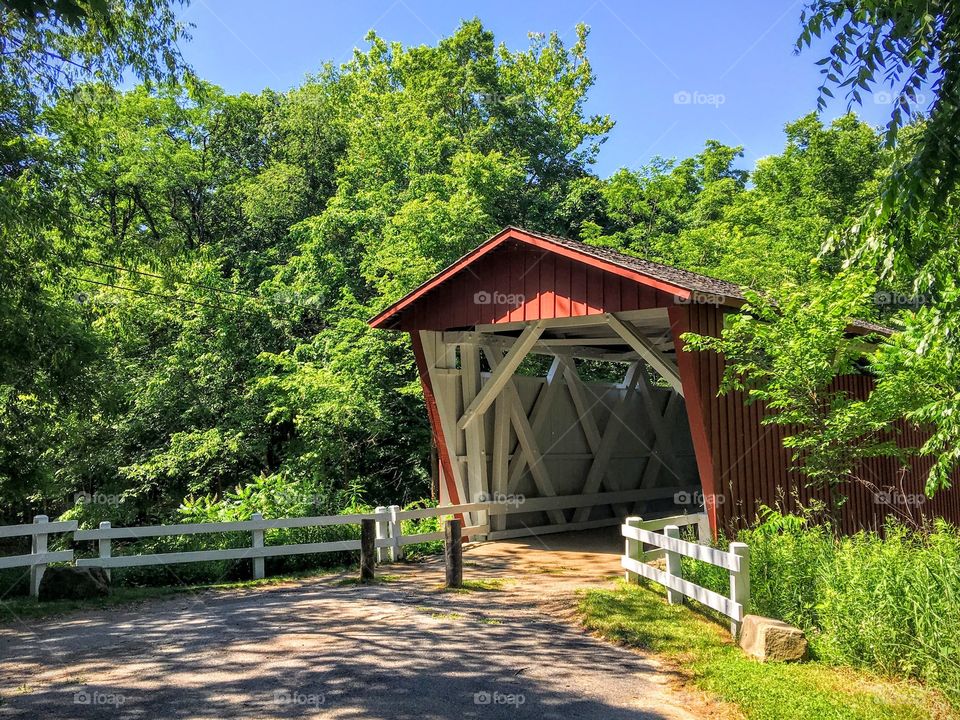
(527, 531)
(580, 501)
(441, 511)
(746, 462)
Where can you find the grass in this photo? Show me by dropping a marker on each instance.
(485, 585)
(703, 652)
(887, 602)
(378, 580)
(23, 608)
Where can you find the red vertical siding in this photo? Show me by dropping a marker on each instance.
(747, 463)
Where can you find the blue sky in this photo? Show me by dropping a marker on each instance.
(671, 74)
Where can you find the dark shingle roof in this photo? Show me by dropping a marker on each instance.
(667, 273)
(711, 287)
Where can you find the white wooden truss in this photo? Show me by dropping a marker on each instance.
(556, 452)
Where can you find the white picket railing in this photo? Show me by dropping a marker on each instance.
(736, 562)
(38, 558)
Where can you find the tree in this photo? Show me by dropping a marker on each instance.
(910, 236)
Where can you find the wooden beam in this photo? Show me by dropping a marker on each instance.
(646, 349)
(501, 455)
(542, 347)
(651, 315)
(526, 440)
(538, 417)
(610, 434)
(584, 410)
(476, 444)
(502, 375)
(432, 355)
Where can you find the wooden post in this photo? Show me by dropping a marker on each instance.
(674, 567)
(382, 530)
(632, 549)
(258, 564)
(368, 542)
(106, 551)
(704, 533)
(396, 532)
(740, 582)
(453, 553)
(38, 546)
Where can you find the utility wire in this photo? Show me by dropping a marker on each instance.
(175, 298)
(165, 277)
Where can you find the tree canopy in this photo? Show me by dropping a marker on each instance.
(187, 273)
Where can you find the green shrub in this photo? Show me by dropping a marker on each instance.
(888, 601)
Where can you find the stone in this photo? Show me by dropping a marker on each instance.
(771, 640)
(73, 583)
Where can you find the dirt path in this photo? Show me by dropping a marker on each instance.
(321, 648)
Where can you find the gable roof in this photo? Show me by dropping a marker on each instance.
(685, 285)
(681, 283)
(689, 281)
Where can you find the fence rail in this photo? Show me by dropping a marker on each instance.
(39, 557)
(389, 543)
(737, 562)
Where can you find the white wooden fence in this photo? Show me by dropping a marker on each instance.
(671, 547)
(39, 557)
(390, 539)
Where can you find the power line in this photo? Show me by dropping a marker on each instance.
(175, 298)
(169, 279)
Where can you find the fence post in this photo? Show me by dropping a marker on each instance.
(483, 518)
(674, 566)
(38, 546)
(740, 582)
(632, 549)
(453, 553)
(382, 530)
(368, 536)
(258, 563)
(704, 534)
(104, 546)
(396, 532)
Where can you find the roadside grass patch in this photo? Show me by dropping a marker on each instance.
(483, 585)
(378, 580)
(702, 649)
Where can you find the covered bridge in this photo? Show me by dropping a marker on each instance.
(556, 384)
